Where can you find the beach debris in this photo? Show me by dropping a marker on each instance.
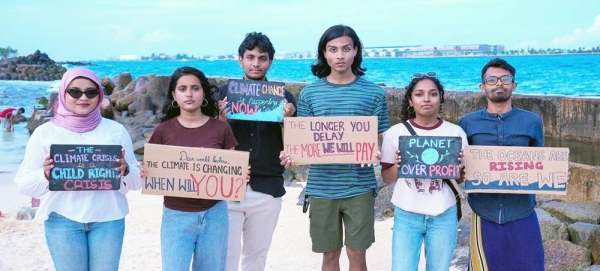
(26, 213)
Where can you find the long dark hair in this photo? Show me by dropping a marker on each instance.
(404, 114)
(321, 68)
(169, 111)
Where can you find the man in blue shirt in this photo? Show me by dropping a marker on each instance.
(505, 232)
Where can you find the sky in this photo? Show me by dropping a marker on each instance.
(91, 30)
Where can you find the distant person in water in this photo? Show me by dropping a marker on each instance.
(11, 117)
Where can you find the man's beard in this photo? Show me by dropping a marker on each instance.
(500, 98)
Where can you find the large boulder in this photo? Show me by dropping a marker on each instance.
(587, 235)
(571, 212)
(551, 227)
(561, 255)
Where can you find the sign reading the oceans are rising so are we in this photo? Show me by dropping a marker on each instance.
(85, 167)
(429, 157)
(517, 170)
(255, 100)
(331, 140)
(188, 172)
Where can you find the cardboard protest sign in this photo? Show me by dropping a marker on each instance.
(516, 170)
(429, 157)
(255, 100)
(85, 167)
(331, 140)
(188, 172)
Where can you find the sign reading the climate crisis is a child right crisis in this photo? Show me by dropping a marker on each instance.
(188, 172)
(517, 170)
(255, 100)
(85, 167)
(331, 140)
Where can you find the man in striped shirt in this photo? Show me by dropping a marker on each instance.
(342, 193)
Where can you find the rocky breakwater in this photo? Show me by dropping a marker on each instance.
(34, 67)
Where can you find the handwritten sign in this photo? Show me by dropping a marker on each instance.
(331, 140)
(516, 170)
(85, 167)
(255, 100)
(195, 172)
(429, 157)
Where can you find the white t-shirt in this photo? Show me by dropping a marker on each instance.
(421, 196)
(80, 206)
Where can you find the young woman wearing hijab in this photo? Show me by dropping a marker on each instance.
(84, 229)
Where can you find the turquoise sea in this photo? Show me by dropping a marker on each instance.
(562, 75)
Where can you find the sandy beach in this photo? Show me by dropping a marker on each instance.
(23, 247)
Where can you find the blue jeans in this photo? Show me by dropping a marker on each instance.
(84, 246)
(202, 235)
(439, 233)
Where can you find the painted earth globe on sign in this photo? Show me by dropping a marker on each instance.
(430, 156)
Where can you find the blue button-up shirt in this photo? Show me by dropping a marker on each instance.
(517, 127)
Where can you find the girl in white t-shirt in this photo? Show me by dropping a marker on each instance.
(425, 209)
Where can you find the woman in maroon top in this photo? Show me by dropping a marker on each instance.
(193, 227)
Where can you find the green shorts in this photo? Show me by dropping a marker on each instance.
(357, 215)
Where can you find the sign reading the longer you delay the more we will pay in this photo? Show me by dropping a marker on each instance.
(188, 172)
(516, 170)
(331, 140)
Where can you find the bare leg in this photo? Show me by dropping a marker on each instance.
(358, 260)
(331, 260)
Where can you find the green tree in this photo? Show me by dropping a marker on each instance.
(7, 52)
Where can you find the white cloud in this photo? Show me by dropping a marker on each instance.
(157, 36)
(589, 37)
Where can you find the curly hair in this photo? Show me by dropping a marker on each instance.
(257, 39)
(169, 111)
(404, 114)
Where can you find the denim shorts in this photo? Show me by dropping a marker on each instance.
(354, 215)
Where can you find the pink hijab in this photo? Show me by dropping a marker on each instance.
(63, 117)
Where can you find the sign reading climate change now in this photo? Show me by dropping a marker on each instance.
(188, 172)
(331, 140)
(517, 170)
(429, 157)
(85, 167)
(255, 100)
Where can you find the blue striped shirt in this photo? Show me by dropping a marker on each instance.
(359, 98)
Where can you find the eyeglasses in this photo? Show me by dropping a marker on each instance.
(427, 74)
(76, 93)
(492, 80)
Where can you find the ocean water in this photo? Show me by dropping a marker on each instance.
(562, 75)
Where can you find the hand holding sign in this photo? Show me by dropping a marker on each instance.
(429, 157)
(190, 172)
(48, 165)
(255, 100)
(84, 167)
(331, 140)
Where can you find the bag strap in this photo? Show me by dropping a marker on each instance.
(409, 128)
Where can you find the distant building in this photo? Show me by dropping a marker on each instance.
(431, 51)
(129, 57)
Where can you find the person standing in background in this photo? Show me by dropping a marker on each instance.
(505, 232)
(253, 221)
(342, 196)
